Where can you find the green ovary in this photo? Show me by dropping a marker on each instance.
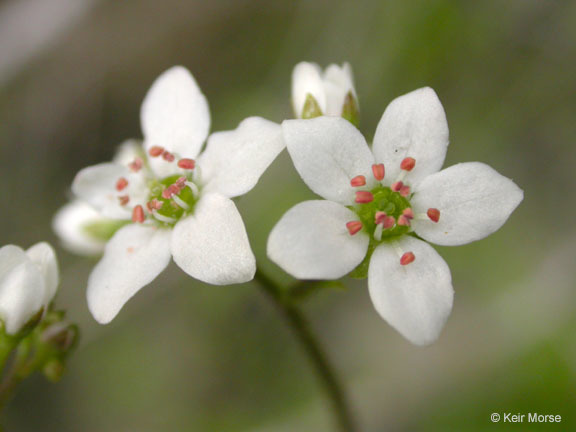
(385, 200)
(170, 207)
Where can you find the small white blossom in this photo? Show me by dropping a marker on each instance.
(379, 204)
(329, 88)
(28, 283)
(171, 200)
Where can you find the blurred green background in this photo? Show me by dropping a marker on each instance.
(183, 356)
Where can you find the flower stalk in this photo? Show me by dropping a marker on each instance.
(318, 358)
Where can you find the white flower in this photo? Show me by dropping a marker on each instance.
(28, 283)
(329, 89)
(174, 201)
(376, 203)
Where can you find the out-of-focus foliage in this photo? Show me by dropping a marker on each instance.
(186, 356)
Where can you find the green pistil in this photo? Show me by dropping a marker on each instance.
(170, 208)
(385, 200)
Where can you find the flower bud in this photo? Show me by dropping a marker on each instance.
(330, 92)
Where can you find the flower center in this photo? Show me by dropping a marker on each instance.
(383, 212)
(171, 198)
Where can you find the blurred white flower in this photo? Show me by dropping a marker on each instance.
(174, 201)
(28, 283)
(379, 204)
(316, 93)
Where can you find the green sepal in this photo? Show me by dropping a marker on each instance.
(311, 108)
(350, 110)
(103, 230)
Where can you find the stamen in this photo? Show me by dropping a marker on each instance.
(433, 214)
(167, 156)
(193, 187)
(396, 186)
(180, 202)
(136, 165)
(187, 164)
(379, 217)
(163, 218)
(167, 193)
(124, 199)
(389, 222)
(378, 171)
(353, 227)
(403, 221)
(405, 191)
(358, 181)
(121, 184)
(154, 205)
(408, 213)
(138, 214)
(407, 258)
(364, 197)
(378, 233)
(408, 164)
(156, 151)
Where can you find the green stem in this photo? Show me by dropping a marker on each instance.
(320, 362)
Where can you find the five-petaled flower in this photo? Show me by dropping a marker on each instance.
(378, 206)
(28, 283)
(167, 200)
(331, 93)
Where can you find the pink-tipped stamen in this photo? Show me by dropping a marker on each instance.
(364, 197)
(407, 258)
(136, 165)
(379, 217)
(353, 227)
(358, 181)
(396, 186)
(388, 222)
(167, 193)
(378, 171)
(121, 184)
(154, 204)
(407, 164)
(404, 191)
(403, 221)
(124, 199)
(187, 164)
(433, 214)
(167, 156)
(408, 213)
(156, 151)
(138, 214)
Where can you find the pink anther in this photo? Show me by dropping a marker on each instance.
(408, 164)
(389, 222)
(379, 217)
(121, 184)
(187, 164)
(124, 199)
(358, 181)
(408, 213)
(404, 191)
(364, 197)
(407, 258)
(136, 164)
(378, 171)
(156, 151)
(138, 214)
(403, 221)
(433, 214)
(167, 156)
(353, 227)
(396, 186)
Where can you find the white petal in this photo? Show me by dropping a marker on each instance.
(11, 256)
(132, 259)
(327, 153)
(21, 295)
(338, 82)
(96, 185)
(128, 151)
(311, 241)
(175, 114)
(474, 201)
(69, 224)
(234, 160)
(415, 299)
(212, 245)
(413, 125)
(44, 257)
(307, 79)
